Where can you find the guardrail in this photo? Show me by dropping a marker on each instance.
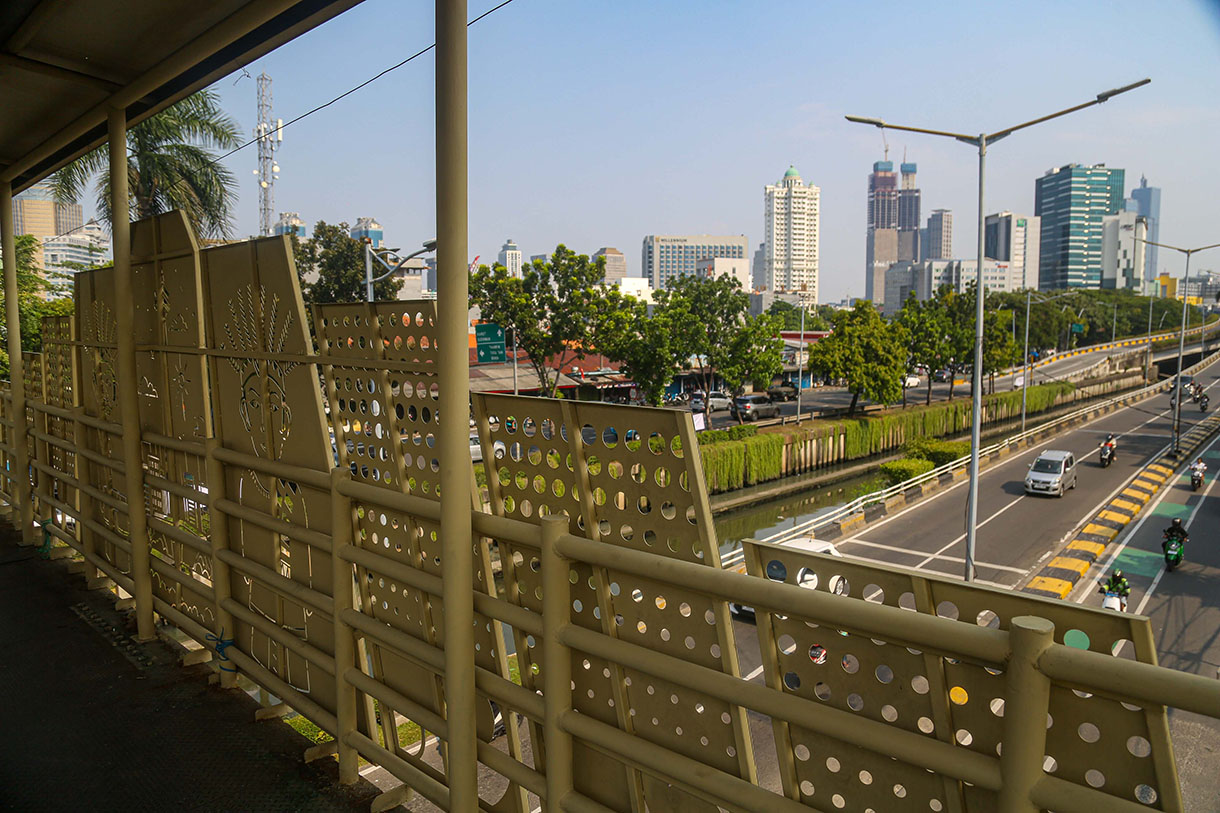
(857, 505)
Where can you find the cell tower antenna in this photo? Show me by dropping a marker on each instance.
(270, 134)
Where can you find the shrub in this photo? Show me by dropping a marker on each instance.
(764, 458)
(722, 435)
(898, 470)
(941, 452)
(724, 465)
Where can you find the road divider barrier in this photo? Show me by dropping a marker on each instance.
(1059, 577)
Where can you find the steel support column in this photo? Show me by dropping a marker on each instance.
(1027, 694)
(24, 509)
(129, 406)
(454, 367)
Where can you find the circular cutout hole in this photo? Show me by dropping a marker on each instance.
(1139, 747)
(1088, 732)
(1076, 638)
(1095, 778)
(792, 680)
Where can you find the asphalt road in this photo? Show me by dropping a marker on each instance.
(817, 398)
(1184, 607)
(1017, 532)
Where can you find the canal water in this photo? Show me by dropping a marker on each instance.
(764, 519)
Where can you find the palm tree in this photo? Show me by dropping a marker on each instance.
(170, 166)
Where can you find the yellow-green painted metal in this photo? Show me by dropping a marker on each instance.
(23, 504)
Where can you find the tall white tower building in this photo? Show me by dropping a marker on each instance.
(510, 258)
(791, 217)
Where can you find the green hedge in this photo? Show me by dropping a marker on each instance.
(898, 470)
(722, 435)
(764, 458)
(724, 465)
(739, 456)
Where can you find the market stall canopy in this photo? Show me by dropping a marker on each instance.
(65, 63)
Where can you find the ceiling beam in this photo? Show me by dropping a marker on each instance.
(32, 24)
(24, 63)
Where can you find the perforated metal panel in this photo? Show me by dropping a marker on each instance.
(59, 390)
(267, 402)
(1091, 740)
(385, 414)
(624, 476)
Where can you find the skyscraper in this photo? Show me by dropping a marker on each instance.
(510, 258)
(1072, 200)
(881, 232)
(1146, 202)
(758, 269)
(35, 212)
(791, 217)
(1122, 256)
(908, 215)
(616, 264)
(940, 235)
(1014, 239)
(665, 256)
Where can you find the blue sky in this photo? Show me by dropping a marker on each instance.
(596, 123)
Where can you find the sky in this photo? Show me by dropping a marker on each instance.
(594, 123)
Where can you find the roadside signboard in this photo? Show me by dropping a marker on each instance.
(489, 341)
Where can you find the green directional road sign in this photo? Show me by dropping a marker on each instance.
(1077, 327)
(489, 341)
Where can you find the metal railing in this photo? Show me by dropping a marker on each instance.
(858, 505)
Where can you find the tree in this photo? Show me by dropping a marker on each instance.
(926, 325)
(336, 261)
(755, 353)
(864, 350)
(959, 309)
(171, 165)
(641, 342)
(999, 349)
(706, 315)
(30, 304)
(816, 318)
(549, 308)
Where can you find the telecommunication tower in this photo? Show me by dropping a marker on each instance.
(270, 134)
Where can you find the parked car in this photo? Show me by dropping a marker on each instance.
(754, 407)
(910, 381)
(698, 403)
(783, 391)
(1053, 472)
(476, 450)
(807, 579)
(717, 401)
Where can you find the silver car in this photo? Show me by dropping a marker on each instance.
(1053, 472)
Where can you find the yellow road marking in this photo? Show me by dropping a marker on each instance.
(1068, 563)
(1095, 548)
(1059, 586)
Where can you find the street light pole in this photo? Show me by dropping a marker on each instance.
(980, 142)
(1028, 371)
(1177, 411)
(800, 366)
(369, 254)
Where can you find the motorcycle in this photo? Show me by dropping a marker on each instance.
(1113, 601)
(1196, 480)
(1107, 454)
(1173, 550)
(1203, 404)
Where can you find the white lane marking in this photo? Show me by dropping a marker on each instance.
(755, 673)
(1012, 459)
(909, 552)
(1131, 530)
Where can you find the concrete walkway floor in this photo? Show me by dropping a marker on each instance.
(91, 720)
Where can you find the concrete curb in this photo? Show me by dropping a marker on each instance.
(1062, 573)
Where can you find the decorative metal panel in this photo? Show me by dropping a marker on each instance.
(266, 402)
(60, 390)
(625, 476)
(381, 380)
(99, 376)
(1091, 740)
(173, 399)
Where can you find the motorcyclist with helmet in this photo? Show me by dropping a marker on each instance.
(1176, 530)
(1118, 584)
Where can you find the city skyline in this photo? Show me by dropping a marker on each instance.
(630, 161)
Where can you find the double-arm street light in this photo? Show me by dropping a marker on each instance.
(1177, 409)
(380, 255)
(980, 142)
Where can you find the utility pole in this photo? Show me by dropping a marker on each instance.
(270, 134)
(800, 365)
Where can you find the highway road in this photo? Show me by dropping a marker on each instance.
(1184, 607)
(817, 398)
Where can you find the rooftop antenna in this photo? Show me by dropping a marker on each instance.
(269, 134)
(886, 144)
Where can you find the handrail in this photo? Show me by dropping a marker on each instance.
(807, 528)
